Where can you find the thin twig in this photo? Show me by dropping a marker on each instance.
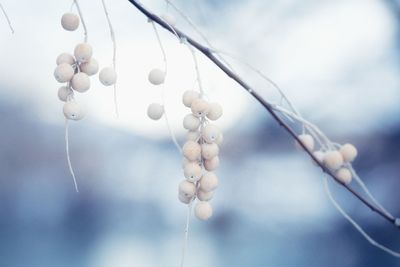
(112, 34)
(7, 18)
(209, 54)
(82, 19)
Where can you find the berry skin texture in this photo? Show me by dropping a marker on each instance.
(191, 150)
(188, 97)
(63, 93)
(73, 111)
(80, 82)
(211, 164)
(83, 52)
(70, 21)
(204, 196)
(187, 189)
(203, 210)
(215, 111)
(90, 68)
(344, 175)
(209, 151)
(155, 111)
(169, 18)
(65, 58)
(108, 76)
(156, 77)
(191, 123)
(333, 160)
(307, 140)
(220, 139)
(210, 133)
(200, 107)
(63, 73)
(349, 152)
(209, 182)
(192, 172)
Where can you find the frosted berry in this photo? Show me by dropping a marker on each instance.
(191, 150)
(333, 160)
(204, 196)
(63, 73)
(344, 175)
(65, 58)
(192, 172)
(90, 68)
(211, 164)
(189, 96)
(70, 21)
(349, 152)
(203, 210)
(156, 77)
(73, 111)
(64, 92)
(210, 133)
(187, 189)
(209, 151)
(307, 140)
(191, 122)
(209, 182)
(215, 111)
(200, 107)
(83, 52)
(108, 76)
(155, 111)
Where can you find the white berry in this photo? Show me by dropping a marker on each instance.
(333, 160)
(64, 92)
(80, 82)
(156, 76)
(192, 171)
(169, 19)
(211, 164)
(65, 58)
(210, 133)
(108, 76)
(349, 152)
(83, 52)
(307, 140)
(90, 68)
(63, 73)
(215, 112)
(187, 189)
(191, 150)
(204, 196)
(192, 135)
(191, 122)
(209, 151)
(155, 111)
(70, 21)
(344, 175)
(200, 107)
(73, 111)
(203, 210)
(189, 96)
(209, 182)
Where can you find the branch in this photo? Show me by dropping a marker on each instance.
(268, 106)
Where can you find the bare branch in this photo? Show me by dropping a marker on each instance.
(268, 106)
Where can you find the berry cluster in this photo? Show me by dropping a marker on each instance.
(200, 153)
(336, 160)
(75, 71)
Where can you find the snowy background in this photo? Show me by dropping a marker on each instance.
(337, 60)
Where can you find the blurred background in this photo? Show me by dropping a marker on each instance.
(338, 61)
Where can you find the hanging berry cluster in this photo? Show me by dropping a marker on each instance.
(200, 153)
(336, 158)
(74, 70)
